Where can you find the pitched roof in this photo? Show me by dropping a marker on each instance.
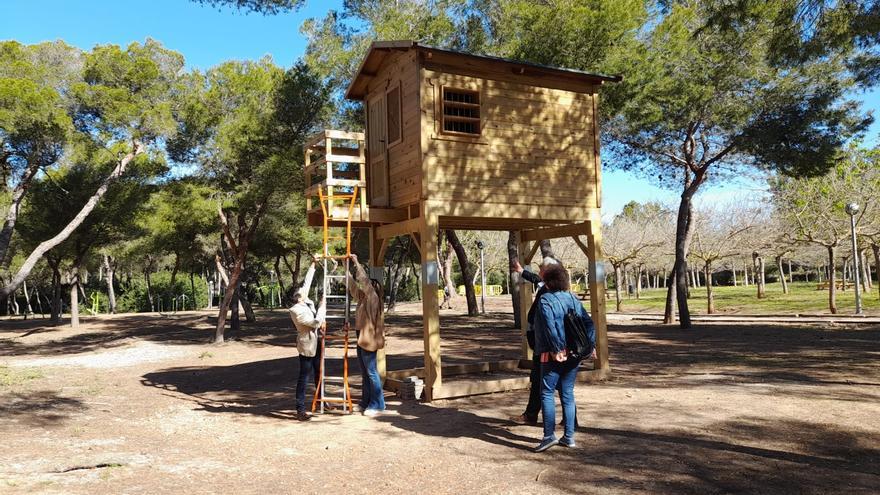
(381, 49)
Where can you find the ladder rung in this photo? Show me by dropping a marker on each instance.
(331, 296)
(334, 378)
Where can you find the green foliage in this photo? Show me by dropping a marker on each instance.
(135, 299)
(809, 30)
(268, 7)
(34, 123)
(696, 97)
(128, 93)
(178, 218)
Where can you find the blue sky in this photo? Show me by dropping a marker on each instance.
(207, 36)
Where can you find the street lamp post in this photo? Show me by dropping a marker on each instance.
(480, 246)
(852, 209)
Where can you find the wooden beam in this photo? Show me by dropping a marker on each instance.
(400, 228)
(377, 257)
(580, 244)
(597, 293)
(478, 387)
(556, 232)
(416, 241)
(529, 257)
(385, 215)
(461, 369)
(430, 302)
(525, 294)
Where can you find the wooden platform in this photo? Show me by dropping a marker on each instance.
(463, 380)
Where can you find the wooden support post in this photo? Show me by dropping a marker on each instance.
(526, 291)
(597, 293)
(430, 301)
(377, 261)
(362, 174)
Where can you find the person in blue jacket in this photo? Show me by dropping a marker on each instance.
(558, 367)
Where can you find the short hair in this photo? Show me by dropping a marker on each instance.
(297, 297)
(556, 278)
(548, 261)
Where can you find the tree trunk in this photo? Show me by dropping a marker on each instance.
(448, 259)
(781, 275)
(280, 283)
(74, 301)
(192, 287)
(225, 277)
(149, 288)
(832, 282)
(866, 272)
(845, 273)
(56, 309)
(111, 293)
(231, 289)
(746, 281)
(90, 205)
(669, 310)
(733, 270)
(618, 281)
(467, 271)
(12, 213)
(790, 272)
(515, 277)
(174, 271)
(876, 249)
(638, 281)
(27, 300)
(547, 249)
(759, 274)
(707, 269)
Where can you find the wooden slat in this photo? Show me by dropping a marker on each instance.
(556, 232)
(400, 228)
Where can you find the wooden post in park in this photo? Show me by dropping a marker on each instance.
(449, 144)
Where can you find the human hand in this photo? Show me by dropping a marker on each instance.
(353, 257)
(560, 357)
(593, 355)
(517, 267)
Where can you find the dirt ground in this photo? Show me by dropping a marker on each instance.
(141, 404)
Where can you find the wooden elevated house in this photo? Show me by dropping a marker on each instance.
(459, 141)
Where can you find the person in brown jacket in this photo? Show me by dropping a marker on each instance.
(370, 328)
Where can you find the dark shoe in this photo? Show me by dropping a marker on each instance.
(522, 419)
(546, 444)
(567, 442)
(303, 416)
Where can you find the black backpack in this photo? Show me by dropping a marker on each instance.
(578, 336)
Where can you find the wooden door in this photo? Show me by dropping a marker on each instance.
(377, 145)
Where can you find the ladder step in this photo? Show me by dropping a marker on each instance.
(334, 378)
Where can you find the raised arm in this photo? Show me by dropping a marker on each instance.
(307, 283)
(362, 278)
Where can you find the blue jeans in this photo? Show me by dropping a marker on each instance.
(558, 376)
(372, 396)
(309, 369)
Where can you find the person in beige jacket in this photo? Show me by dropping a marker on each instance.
(308, 322)
(370, 328)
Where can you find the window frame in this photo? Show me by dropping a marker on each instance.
(479, 106)
(399, 89)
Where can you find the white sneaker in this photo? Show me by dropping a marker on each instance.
(372, 412)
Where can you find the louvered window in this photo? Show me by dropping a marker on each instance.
(461, 111)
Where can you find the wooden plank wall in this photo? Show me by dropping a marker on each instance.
(537, 145)
(404, 158)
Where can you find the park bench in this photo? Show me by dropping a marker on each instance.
(838, 283)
